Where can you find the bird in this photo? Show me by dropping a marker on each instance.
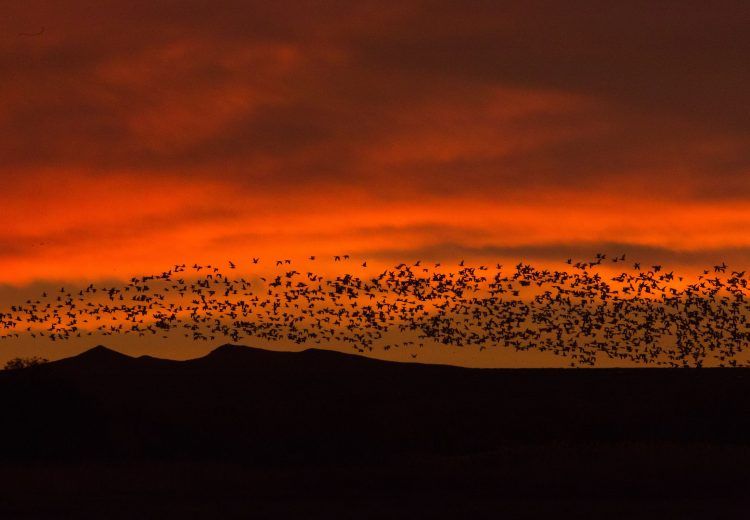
(577, 312)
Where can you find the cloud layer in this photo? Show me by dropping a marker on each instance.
(137, 134)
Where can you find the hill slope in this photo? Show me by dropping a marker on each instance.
(322, 404)
(432, 429)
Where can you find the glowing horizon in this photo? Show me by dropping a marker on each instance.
(440, 132)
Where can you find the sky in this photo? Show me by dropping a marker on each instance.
(136, 135)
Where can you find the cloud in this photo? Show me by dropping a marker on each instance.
(690, 262)
(331, 124)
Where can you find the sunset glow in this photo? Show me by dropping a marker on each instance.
(493, 134)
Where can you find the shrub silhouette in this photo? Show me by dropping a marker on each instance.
(19, 362)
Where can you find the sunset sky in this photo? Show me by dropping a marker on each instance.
(139, 134)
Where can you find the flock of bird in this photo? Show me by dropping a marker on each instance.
(642, 315)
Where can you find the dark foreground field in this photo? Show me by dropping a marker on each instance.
(248, 432)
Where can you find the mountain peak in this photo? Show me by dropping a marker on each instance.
(228, 347)
(101, 355)
(230, 351)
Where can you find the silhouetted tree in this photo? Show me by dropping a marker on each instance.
(19, 362)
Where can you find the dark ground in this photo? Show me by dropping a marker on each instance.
(248, 432)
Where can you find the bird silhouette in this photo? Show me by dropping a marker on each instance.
(638, 316)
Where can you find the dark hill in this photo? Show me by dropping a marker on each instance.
(95, 359)
(325, 404)
(558, 433)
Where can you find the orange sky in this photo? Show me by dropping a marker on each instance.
(136, 135)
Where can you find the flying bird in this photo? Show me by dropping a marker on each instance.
(578, 313)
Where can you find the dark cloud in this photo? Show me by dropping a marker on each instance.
(159, 85)
(686, 57)
(560, 252)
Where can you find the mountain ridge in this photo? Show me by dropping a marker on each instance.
(102, 356)
(246, 407)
